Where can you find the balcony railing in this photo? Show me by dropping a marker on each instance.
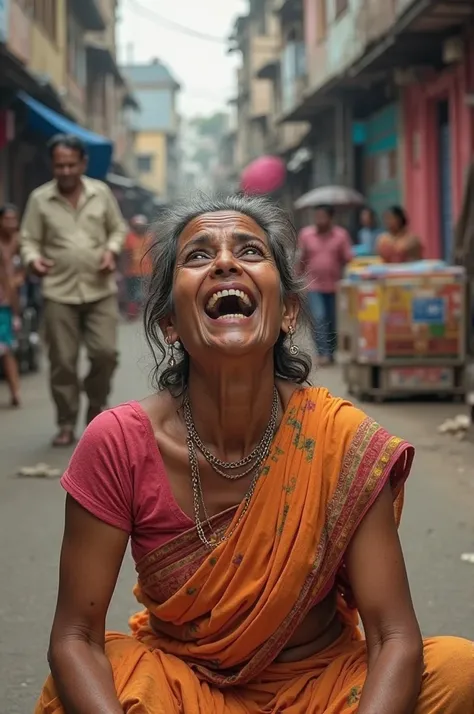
(89, 14)
(293, 74)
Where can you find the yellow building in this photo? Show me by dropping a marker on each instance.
(48, 42)
(156, 143)
(151, 152)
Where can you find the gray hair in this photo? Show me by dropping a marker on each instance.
(159, 303)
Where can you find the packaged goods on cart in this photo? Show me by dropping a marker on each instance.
(402, 327)
(357, 270)
(360, 263)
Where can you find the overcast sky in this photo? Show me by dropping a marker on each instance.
(203, 67)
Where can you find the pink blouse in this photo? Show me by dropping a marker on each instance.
(117, 474)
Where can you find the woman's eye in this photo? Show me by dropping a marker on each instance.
(251, 250)
(197, 255)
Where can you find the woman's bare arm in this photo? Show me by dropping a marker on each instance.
(91, 557)
(379, 582)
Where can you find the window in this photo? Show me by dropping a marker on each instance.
(381, 167)
(341, 6)
(76, 53)
(145, 163)
(321, 21)
(293, 68)
(45, 15)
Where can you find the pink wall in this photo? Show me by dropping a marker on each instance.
(419, 104)
(316, 51)
(310, 24)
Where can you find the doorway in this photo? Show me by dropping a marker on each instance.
(445, 186)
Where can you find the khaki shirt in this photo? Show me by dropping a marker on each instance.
(74, 239)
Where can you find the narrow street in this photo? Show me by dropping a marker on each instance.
(438, 524)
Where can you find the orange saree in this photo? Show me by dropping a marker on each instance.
(215, 622)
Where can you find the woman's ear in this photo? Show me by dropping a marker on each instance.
(168, 330)
(290, 314)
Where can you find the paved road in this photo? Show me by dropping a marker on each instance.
(438, 523)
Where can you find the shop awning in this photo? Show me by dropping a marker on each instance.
(47, 122)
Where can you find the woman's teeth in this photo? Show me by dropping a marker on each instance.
(225, 293)
(228, 317)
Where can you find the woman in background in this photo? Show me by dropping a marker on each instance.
(368, 232)
(11, 279)
(398, 244)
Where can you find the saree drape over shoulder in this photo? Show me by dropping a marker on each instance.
(216, 621)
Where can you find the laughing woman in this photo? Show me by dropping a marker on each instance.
(262, 513)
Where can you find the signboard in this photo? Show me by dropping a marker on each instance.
(431, 378)
(423, 320)
(4, 19)
(429, 310)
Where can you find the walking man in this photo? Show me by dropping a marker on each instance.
(325, 249)
(71, 236)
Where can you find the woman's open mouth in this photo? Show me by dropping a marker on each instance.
(230, 304)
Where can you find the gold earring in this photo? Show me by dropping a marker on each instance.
(294, 349)
(171, 359)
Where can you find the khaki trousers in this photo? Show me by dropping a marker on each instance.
(66, 328)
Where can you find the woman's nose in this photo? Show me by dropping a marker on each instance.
(226, 264)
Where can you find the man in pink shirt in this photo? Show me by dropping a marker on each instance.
(325, 249)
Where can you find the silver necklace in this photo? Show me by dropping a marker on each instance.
(198, 500)
(260, 455)
(248, 461)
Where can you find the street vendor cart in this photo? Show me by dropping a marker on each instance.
(402, 330)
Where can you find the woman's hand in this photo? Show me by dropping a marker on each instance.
(379, 582)
(91, 556)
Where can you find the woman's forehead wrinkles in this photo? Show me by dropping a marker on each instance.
(212, 227)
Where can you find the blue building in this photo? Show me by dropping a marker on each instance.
(157, 126)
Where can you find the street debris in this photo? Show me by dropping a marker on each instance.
(468, 558)
(458, 427)
(39, 471)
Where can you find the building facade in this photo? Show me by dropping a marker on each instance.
(439, 143)
(387, 89)
(58, 73)
(157, 126)
(270, 77)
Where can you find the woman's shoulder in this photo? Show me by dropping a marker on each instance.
(332, 413)
(122, 435)
(109, 463)
(125, 419)
(146, 422)
(324, 398)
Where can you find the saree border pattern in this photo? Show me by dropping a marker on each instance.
(367, 477)
(372, 458)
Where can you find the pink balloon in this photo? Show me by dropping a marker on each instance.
(264, 175)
